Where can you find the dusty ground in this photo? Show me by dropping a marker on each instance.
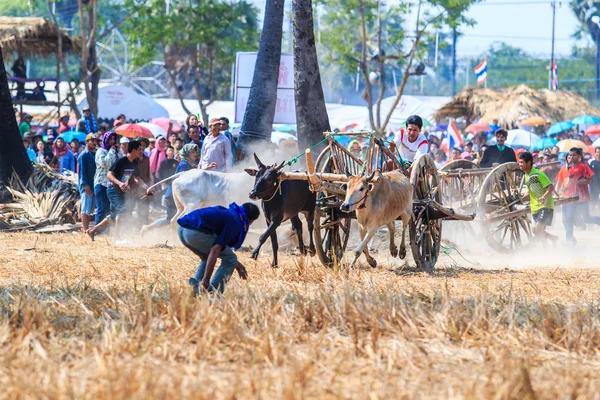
(95, 320)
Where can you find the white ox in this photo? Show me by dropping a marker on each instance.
(198, 188)
(379, 202)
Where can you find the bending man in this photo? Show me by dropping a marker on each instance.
(211, 233)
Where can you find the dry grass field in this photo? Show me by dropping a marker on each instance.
(95, 320)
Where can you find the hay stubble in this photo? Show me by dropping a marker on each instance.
(89, 320)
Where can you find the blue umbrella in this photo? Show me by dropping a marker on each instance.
(559, 127)
(544, 143)
(285, 128)
(586, 120)
(70, 135)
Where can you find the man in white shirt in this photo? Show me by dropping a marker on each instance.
(216, 148)
(411, 142)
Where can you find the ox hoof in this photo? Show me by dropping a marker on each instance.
(302, 251)
(254, 255)
(394, 252)
(402, 254)
(312, 251)
(274, 265)
(372, 263)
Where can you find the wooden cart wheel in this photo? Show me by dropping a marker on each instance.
(459, 164)
(503, 192)
(425, 234)
(332, 226)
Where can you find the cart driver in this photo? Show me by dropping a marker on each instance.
(411, 143)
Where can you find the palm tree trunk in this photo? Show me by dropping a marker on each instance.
(12, 153)
(260, 110)
(311, 113)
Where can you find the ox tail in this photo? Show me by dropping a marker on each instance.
(169, 179)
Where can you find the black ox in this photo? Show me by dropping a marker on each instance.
(282, 200)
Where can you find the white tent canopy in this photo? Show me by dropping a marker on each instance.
(115, 99)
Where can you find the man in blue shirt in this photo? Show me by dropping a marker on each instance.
(211, 233)
(86, 165)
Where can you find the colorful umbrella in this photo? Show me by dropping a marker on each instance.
(164, 123)
(559, 127)
(596, 143)
(134, 130)
(155, 129)
(533, 121)
(568, 144)
(586, 120)
(521, 139)
(68, 136)
(476, 128)
(593, 130)
(544, 143)
(285, 128)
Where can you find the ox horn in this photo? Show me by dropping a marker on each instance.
(280, 166)
(258, 162)
(370, 177)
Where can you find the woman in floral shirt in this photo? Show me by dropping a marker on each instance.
(106, 156)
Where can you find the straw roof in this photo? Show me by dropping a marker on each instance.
(32, 36)
(509, 105)
(471, 102)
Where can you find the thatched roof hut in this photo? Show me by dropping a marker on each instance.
(32, 37)
(509, 105)
(470, 103)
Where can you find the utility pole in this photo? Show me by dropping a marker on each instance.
(551, 75)
(454, 61)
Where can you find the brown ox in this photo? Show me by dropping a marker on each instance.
(379, 202)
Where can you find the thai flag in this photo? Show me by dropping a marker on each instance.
(454, 137)
(481, 72)
(554, 76)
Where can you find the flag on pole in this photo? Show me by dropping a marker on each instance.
(481, 72)
(554, 76)
(454, 137)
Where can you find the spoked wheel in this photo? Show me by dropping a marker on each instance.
(332, 226)
(425, 233)
(503, 194)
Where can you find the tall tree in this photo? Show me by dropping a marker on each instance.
(311, 114)
(260, 110)
(13, 156)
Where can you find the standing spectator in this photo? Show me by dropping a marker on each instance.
(123, 176)
(193, 136)
(25, 125)
(217, 149)
(212, 233)
(63, 124)
(173, 138)
(20, 71)
(440, 159)
(143, 206)
(455, 154)
(50, 136)
(42, 156)
(595, 184)
(30, 152)
(498, 154)
(573, 180)
(228, 135)
(168, 166)
(102, 129)
(75, 148)
(178, 145)
(123, 147)
(158, 155)
(551, 171)
(65, 160)
(38, 91)
(120, 120)
(193, 121)
(106, 157)
(86, 167)
(87, 123)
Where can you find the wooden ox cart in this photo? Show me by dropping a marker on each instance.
(332, 226)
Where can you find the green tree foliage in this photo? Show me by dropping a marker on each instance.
(373, 37)
(197, 39)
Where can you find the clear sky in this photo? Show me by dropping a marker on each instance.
(526, 24)
(522, 23)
